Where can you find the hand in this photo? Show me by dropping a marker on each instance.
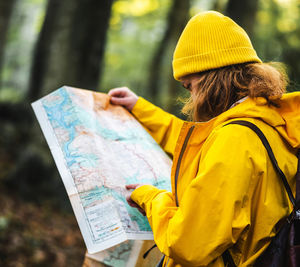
(130, 201)
(123, 96)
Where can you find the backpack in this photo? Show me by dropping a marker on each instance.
(284, 249)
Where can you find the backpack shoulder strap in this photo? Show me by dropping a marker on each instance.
(298, 182)
(272, 157)
(227, 258)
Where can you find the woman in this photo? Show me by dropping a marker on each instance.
(225, 192)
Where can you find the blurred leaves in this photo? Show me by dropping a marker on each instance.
(277, 35)
(135, 7)
(131, 42)
(34, 236)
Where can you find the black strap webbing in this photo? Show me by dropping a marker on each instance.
(271, 155)
(148, 251)
(227, 258)
(298, 182)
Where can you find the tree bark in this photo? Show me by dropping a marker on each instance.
(243, 13)
(176, 21)
(6, 7)
(70, 47)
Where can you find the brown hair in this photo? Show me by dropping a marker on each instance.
(218, 89)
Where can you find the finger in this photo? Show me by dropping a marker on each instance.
(119, 91)
(131, 186)
(120, 101)
(134, 205)
(129, 200)
(141, 211)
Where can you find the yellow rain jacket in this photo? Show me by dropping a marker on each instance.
(228, 192)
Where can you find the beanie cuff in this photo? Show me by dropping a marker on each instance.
(213, 60)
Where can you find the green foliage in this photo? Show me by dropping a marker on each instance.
(136, 28)
(277, 35)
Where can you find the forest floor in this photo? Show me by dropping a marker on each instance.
(36, 235)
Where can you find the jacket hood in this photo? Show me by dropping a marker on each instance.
(285, 118)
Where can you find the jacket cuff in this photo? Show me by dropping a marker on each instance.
(138, 109)
(145, 193)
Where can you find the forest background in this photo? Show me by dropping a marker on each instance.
(96, 45)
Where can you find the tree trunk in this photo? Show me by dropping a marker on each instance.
(243, 13)
(177, 18)
(6, 7)
(70, 47)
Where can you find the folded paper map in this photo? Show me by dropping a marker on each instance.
(98, 149)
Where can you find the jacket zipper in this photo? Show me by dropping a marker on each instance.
(180, 159)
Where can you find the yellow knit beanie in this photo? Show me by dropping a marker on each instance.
(211, 40)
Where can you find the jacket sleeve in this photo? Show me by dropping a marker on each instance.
(163, 127)
(215, 208)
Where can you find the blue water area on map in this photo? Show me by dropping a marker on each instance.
(91, 196)
(130, 136)
(132, 179)
(163, 184)
(119, 255)
(159, 182)
(63, 113)
(60, 116)
(98, 193)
